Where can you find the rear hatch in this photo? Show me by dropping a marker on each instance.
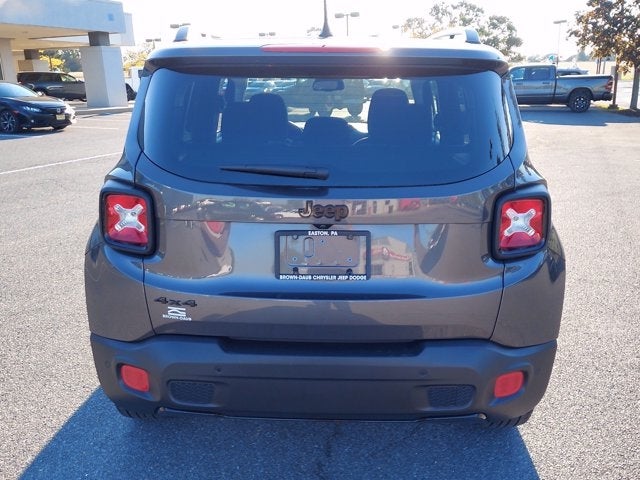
(275, 223)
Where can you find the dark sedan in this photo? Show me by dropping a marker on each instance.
(22, 108)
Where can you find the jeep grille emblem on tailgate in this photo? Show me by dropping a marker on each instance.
(329, 211)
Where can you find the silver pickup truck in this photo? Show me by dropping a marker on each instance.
(540, 84)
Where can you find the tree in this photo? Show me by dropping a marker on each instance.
(136, 57)
(501, 34)
(497, 31)
(66, 60)
(612, 27)
(55, 63)
(71, 59)
(582, 56)
(443, 16)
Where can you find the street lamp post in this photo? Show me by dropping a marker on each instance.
(398, 28)
(153, 41)
(559, 23)
(347, 15)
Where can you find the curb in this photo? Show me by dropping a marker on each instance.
(102, 110)
(82, 109)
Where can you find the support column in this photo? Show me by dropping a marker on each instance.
(7, 65)
(32, 62)
(103, 74)
(31, 54)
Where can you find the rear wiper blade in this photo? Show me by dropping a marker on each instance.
(280, 171)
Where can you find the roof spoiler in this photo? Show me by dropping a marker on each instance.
(466, 34)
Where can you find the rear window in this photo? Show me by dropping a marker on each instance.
(420, 130)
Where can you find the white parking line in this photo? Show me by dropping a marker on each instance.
(75, 127)
(37, 167)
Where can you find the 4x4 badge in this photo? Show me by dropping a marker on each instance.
(176, 303)
(329, 211)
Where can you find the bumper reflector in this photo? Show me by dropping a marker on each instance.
(508, 384)
(135, 378)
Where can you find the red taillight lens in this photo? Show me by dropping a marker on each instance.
(609, 86)
(522, 224)
(508, 384)
(216, 228)
(135, 378)
(126, 219)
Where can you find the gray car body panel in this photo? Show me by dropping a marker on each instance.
(232, 280)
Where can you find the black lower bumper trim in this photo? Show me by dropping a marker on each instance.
(444, 378)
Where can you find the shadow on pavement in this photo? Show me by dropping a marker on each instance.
(561, 115)
(96, 442)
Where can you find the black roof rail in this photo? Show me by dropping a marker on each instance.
(182, 35)
(470, 35)
(187, 32)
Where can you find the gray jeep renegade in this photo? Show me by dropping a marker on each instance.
(254, 258)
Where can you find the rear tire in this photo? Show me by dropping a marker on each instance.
(510, 422)
(136, 414)
(325, 111)
(355, 110)
(580, 101)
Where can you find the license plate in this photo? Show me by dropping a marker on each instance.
(60, 117)
(323, 255)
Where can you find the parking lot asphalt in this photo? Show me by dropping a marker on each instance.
(57, 423)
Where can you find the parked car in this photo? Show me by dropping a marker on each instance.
(321, 98)
(131, 93)
(377, 83)
(54, 84)
(541, 84)
(255, 85)
(399, 267)
(22, 108)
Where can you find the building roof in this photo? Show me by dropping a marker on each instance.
(44, 24)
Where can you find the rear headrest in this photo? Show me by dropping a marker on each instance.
(326, 131)
(263, 119)
(234, 122)
(387, 107)
(270, 120)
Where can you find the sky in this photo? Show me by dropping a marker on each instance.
(249, 18)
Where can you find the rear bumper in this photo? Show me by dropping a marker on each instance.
(422, 380)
